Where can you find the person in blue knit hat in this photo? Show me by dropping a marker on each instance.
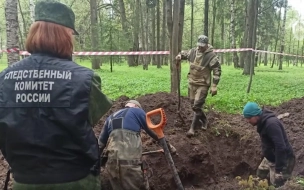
(279, 159)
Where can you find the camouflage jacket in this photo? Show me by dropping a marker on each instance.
(201, 65)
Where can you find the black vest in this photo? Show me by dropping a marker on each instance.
(44, 120)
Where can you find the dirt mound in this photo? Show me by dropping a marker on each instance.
(213, 158)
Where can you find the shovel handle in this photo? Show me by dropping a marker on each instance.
(153, 152)
(158, 128)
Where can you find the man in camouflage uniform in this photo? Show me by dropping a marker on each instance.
(202, 61)
(120, 137)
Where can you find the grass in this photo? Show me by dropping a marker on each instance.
(269, 86)
(300, 181)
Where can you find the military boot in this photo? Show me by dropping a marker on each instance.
(203, 121)
(194, 124)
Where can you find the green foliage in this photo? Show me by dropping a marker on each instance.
(269, 86)
(111, 24)
(300, 181)
(254, 183)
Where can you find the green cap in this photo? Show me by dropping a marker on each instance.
(251, 109)
(55, 12)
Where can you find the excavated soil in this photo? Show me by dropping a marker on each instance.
(213, 158)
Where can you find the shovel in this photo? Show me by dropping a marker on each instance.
(153, 152)
(158, 129)
(177, 65)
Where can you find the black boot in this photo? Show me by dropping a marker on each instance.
(194, 124)
(203, 121)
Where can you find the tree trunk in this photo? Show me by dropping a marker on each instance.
(153, 41)
(266, 56)
(164, 36)
(213, 21)
(254, 15)
(245, 37)
(158, 34)
(12, 27)
(181, 24)
(126, 28)
(174, 41)
(232, 34)
(143, 37)
(147, 29)
(23, 32)
(283, 36)
(32, 11)
(251, 20)
(94, 33)
(290, 42)
(298, 52)
(136, 15)
(206, 12)
(169, 25)
(223, 36)
(191, 27)
(277, 38)
(254, 55)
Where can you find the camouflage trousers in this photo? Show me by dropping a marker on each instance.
(124, 160)
(125, 176)
(197, 95)
(88, 183)
(268, 168)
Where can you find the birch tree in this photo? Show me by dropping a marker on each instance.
(12, 28)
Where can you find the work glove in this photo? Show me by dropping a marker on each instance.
(213, 90)
(278, 179)
(172, 149)
(178, 57)
(178, 60)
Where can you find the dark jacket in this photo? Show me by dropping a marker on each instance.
(275, 145)
(47, 110)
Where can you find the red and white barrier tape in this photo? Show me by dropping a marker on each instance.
(271, 52)
(114, 53)
(232, 50)
(10, 50)
(84, 53)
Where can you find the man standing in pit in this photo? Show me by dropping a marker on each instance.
(279, 159)
(202, 61)
(120, 137)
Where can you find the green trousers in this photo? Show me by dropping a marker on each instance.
(88, 183)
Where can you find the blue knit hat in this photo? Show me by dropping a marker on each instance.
(251, 109)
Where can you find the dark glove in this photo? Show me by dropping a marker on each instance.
(101, 147)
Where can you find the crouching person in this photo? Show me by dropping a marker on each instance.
(279, 159)
(120, 137)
